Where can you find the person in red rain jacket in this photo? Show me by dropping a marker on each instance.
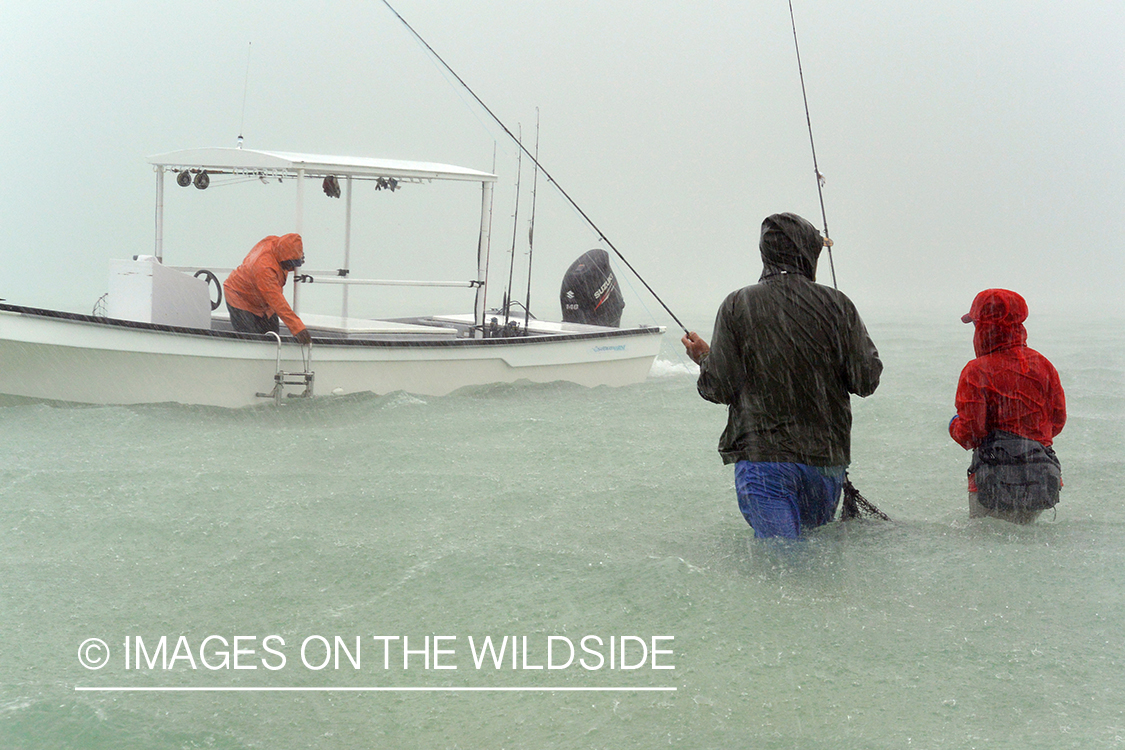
(1010, 406)
(254, 293)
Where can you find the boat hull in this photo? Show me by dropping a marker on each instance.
(81, 359)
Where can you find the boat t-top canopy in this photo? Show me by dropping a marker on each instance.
(386, 173)
(283, 163)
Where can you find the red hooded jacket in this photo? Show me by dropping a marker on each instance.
(256, 285)
(1009, 386)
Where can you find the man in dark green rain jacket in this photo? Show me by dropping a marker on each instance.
(785, 355)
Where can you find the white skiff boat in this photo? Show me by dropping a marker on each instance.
(162, 338)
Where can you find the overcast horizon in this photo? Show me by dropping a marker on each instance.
(964, 146)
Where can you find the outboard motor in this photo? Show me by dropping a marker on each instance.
(590, 293)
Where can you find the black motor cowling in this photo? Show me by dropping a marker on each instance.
(590, 293)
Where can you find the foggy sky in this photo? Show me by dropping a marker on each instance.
(964, 145)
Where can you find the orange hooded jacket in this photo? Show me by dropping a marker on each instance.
(256, 285)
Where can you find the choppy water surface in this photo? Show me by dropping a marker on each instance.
(552, 512)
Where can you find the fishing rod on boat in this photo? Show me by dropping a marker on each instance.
(531, 226)
(552, 180)
(812, 143)
(515, 226)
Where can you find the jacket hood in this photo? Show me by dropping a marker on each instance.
(998, 315)
(789, 244)
(289, 247)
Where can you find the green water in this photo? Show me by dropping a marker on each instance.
(556, 511)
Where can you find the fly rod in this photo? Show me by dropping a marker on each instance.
(531, 227)
(854, 504)
(812, 144)
(515, 226)
(571, 201)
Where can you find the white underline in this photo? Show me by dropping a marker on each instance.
(373, 689)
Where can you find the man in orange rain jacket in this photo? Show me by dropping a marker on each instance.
(1010, 406)
(254, 290)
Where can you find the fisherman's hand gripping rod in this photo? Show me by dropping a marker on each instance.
(601, 235)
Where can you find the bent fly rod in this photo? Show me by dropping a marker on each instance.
(854, 504)
(812, 144)
(571, 201)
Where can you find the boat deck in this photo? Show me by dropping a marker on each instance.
(337, 327)
(437, 330)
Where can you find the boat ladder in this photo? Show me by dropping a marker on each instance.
(283, 378)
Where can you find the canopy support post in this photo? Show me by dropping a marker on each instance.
(299, 220)
(482, 257)
(159, 251)
(347, 244)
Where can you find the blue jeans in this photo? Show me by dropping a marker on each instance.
(781, 499)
